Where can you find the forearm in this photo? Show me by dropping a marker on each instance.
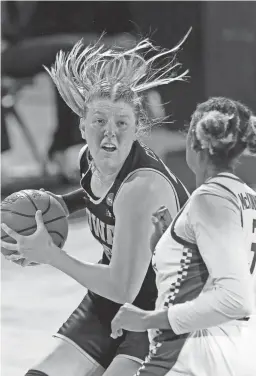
(95, 277)
(157, 319)
(212, 308)
(75, 200)
(206, 311)
(215, 222)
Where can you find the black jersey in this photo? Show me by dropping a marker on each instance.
(101, 217)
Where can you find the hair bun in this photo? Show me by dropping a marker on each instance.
(251, 136)
(216, 131)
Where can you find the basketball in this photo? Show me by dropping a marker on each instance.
(18, 212)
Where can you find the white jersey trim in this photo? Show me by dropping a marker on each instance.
(185, 262)
(84, 148)
(81, 152)
(84, 353)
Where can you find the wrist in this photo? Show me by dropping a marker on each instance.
(64, 205)
(56, 256)
(157, 319)
(149, 319)
(76, 200)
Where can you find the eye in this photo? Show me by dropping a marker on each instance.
(122, 124)
(99, 121)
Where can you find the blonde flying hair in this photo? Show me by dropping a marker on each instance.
(88, 72)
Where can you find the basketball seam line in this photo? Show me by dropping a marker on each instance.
(34, 226)
(27, 215)
(49, 205)
(56, 232)
(49, 231)
(14, 212)
(30, 199)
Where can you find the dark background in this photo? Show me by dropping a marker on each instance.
(220, 53)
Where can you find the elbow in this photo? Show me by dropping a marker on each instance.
(125, 294)
(243, 310)
(242, 302)
(126, 297)
(246, 303)
(124, 289)
(130, 296)
(245, 306)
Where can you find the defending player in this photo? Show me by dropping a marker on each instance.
(205, 260)
(123, 183)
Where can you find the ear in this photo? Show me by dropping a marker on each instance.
(82, 128)
(195, 144)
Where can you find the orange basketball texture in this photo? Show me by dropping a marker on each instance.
(18, 212)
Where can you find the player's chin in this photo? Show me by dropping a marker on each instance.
(109, 154)
(110, 159)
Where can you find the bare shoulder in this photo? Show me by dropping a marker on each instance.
(144, 183)
(144, 190)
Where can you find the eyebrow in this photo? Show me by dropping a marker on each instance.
(99, 112)
(96, 112)
(124, 116)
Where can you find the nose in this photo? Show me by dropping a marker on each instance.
(111, 128)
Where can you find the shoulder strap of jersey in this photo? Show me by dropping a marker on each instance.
(223, 188)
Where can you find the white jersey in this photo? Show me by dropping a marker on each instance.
(205, 260)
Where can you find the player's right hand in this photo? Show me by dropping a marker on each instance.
(37, 247)
(59, 199)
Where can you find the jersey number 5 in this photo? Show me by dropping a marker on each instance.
(253, 248)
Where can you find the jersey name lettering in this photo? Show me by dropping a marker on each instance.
(101, 230)
(248, 201)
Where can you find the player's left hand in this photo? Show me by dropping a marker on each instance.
(161, 220)
(38, 247)
(129, 318)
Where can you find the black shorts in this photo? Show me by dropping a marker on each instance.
(89, 327)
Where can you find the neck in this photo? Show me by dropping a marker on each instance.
(104, 171)
(210, 172)
(105, 175)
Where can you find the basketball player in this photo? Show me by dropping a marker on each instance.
(205, 260)
(123, 183)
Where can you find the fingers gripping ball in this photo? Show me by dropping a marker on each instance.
(18, 212)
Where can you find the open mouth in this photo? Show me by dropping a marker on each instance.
(108, 147)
